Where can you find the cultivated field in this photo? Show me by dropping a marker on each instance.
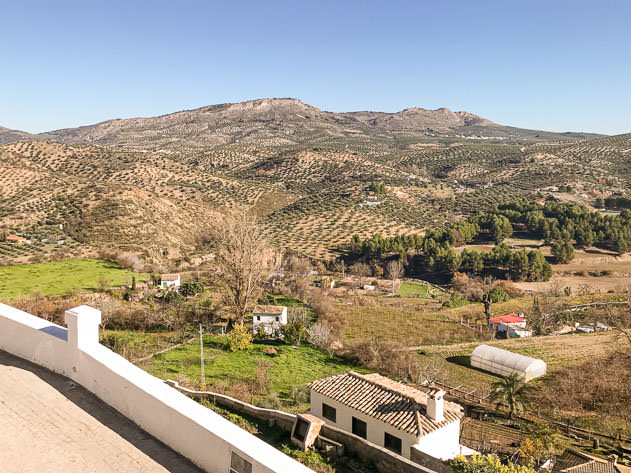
(60, 277)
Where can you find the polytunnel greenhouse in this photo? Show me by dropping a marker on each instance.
(504, 362)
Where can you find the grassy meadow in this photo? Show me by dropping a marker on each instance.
(60, 277)
(291, 367)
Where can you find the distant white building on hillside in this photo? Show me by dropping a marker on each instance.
(269, 318)
(510, 326)
(168, 281)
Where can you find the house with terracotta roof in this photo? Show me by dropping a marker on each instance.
(269, 318)
(16, 240)
(574, 461)
(407, 421)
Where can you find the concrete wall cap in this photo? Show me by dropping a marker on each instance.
(85, 313)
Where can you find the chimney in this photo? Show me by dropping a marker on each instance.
(435, 405)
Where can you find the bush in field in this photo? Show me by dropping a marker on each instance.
(321, 336)
(455, 300)
(189, 289)
(299, 394)
(498, 294)
(271, 401)
(239, 338)
(295, 332)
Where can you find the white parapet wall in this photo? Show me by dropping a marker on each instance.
(197, 433)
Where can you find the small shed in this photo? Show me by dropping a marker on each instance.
(170, 281)
(16, 240)
(504, 362)
(269, 318)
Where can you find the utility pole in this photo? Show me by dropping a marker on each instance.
(201, 354)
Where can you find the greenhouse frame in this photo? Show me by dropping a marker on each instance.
(504, 362)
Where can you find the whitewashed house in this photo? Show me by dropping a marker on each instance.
(404, 420)
(168, 281)
(510, 326)
(269, 318)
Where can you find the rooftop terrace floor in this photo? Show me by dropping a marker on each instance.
(48, 424)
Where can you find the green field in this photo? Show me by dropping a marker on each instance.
(291, 367)
(60, 277)
(411, 289)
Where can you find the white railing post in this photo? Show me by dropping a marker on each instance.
(83, 326)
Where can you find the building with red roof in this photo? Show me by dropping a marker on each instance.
(509, 319)
(510, 325)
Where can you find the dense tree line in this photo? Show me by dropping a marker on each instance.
(561, 225)
(567, 222)
(616, 202)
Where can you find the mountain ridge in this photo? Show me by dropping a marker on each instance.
(278, 121)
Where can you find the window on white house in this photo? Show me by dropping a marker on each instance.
(239, 464)
(329, 412)
(277, 319)
(359, 427)
(392, 443)
(258, 318)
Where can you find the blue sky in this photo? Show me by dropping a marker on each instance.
(555, 65)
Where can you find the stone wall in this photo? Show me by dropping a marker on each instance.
(281, 419)
(384, 460)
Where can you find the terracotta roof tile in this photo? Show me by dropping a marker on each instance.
(170, 277)
(394, 403)
(573, 461)
(268, 309)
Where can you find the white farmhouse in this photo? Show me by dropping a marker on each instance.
(406, 421)
(510, 326)
(168, 281)
(269, 318)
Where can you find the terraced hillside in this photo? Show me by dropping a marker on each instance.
(310, 197)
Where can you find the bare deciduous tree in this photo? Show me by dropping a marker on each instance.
(240, 259)
(395, 270)
(620, 319)
(299, 272)
(361, 270)
(321, 336)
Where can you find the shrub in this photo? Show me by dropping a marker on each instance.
(130, 261)
(455, 300)
(294, 333)
(299, 394)
(486, 464)
(562, 251)
(189, 289)
(271, 401)
(239, 338)
(498, 294)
